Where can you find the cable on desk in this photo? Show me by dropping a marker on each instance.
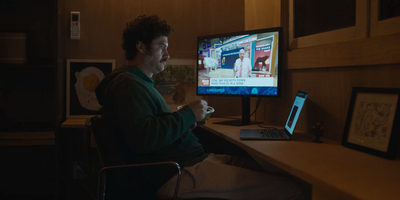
(255, 115)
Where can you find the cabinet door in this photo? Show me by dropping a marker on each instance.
(385, 17)
(315, 22)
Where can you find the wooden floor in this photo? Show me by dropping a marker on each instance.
(27, 172)
(30, 172)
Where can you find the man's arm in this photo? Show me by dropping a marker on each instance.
(144, 126)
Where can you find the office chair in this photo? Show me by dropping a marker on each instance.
(118, 179)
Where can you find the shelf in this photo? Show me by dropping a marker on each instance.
(24, 138)
(379, 50)
(28, 66)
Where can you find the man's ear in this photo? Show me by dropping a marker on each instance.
(140, 47)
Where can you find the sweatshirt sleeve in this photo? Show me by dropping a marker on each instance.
(142, 120)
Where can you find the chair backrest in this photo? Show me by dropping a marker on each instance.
(133, 181)
(106, 141)
(124, 179)
(118, 183)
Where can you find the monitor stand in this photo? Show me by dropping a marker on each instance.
(245, 115)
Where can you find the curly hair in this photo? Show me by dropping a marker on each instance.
(144, 29)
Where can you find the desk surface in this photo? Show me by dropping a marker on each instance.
(74, 123)
(328, 166)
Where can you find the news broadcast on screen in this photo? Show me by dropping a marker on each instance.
(245, 64)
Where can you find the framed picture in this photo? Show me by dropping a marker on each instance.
(372, 124)
(176, 83)
(83, 76)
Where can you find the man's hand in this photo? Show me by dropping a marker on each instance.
(196, 124)
(199, 108)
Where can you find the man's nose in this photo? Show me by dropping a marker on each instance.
(166, 54)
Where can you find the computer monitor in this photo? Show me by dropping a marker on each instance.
(240, 64)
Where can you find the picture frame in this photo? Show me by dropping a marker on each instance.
(176, 83)
(372, 124)
(83, 76)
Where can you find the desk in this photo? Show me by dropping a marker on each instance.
(74, 123)
(74, 149)
(79, 124)
(334, 171)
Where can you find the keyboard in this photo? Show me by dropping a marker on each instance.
(271, 133)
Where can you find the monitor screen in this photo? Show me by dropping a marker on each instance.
(246, 63)
(295, 112)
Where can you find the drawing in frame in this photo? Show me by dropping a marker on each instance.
(372, 124)
(83, 76)
(176, 83)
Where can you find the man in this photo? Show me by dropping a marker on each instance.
(153, 133)
(242, 66)
(138, 111)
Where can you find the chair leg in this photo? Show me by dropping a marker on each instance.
(177, 184)
(101, 190)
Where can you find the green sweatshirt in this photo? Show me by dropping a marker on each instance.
(143, 121)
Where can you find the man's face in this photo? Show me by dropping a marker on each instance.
(157, 57)
(241, 54)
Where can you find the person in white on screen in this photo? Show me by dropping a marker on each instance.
(242, 66)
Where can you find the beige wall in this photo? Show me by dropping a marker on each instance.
(262, 14)
(329, 88)
(102, 23)
(330, 92)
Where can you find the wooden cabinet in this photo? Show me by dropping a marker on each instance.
(370, 37)
(28, 90)
(313, 22)
(385, 17)
(27, 97)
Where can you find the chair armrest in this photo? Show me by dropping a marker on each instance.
(175, 164)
